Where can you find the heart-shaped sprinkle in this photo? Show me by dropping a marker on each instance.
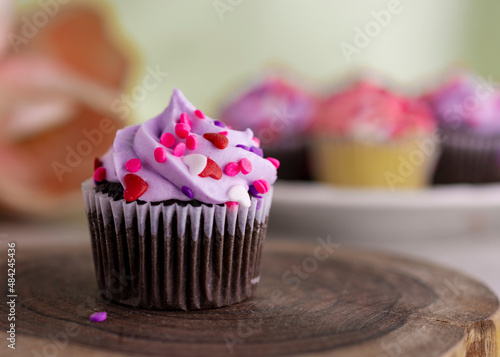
(184, 118)
(135, 187)
(246, 166)
(179, 149)
(100, 174)
(239, 194)
(219, 141)
(196, 163)
(212, 169)
(199, 114)
(225, 133)
(187, 191)
(192, 142)
(182, 130)
(232, 169)
(262, 186)
(167, 140)
(160, 155)
(133, 165)
(97, 163)
(274, 161)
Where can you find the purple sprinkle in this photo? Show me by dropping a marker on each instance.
(253, 191)
(187, 191)
(98, 316)
(257, 151)
(244, 147)
(219, 123)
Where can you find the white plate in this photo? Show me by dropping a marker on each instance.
(314, 209)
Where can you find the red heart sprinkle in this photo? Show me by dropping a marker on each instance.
(97, 163)
(134, 187)
(219, 141)
(212, 169)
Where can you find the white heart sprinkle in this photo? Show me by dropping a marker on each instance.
(239, 194)
(196, 163)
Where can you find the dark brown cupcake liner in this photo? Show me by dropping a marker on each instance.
(175, 257)
(468, 158)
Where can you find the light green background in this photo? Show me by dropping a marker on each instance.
(208, 57)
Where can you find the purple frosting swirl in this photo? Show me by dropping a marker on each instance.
(178, 175)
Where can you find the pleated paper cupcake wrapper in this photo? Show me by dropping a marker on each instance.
(406, 164)
(468, 158)
(175, 257)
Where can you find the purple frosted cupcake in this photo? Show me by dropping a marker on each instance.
(178, 210)
(281, 114)
(468, 111)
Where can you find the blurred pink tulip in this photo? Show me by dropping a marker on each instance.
(56, 90)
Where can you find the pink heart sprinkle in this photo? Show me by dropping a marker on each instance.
(274, 161)
(99, 316)
(246, 166)
(133, 165)
(199, 114)
(182, 130)
(160, 155)
(179, 149)
(100, 174)
(225, 133)
(167, 140)
(262, 186)
(184, 119)
(232, 169)
(191, 142)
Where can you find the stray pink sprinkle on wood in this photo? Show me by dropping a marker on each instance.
(232, 169)
(191, 142)
(179, 149)
(99, 316)
(199, 114)
(246, 166)
(133, 165)
(168, 140)
(160, 155)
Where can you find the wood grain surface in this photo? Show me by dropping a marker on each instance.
(312, 299)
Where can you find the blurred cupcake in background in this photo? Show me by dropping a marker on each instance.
(366, 136)
(57, 86)
(280, 112)
(468, 112)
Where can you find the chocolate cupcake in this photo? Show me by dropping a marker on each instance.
(178, 211)
(468, 111)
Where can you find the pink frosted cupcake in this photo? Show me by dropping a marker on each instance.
(366, 136)
(178, 209)
(280, 113)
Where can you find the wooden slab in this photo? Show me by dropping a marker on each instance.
(346, 303)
